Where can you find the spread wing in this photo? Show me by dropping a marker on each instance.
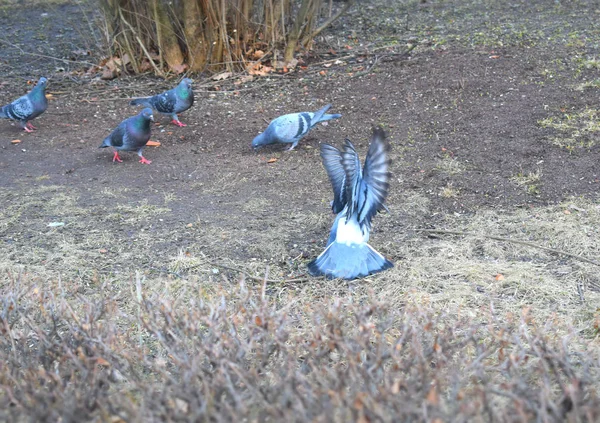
(375, 178)
(332, 161)
(352, 168)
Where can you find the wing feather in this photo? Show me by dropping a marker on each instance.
(375, 185)
(351, 164)
(332, 161)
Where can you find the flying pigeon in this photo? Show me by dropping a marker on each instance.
(291, 128)
(28, 107)
(171, 102)
(358, 194)
(131, 135)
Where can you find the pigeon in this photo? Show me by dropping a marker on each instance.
(358, 195)
(171, 102)
(131, 135)
(291, 128)
(28, 107)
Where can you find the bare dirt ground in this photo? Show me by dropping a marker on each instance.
(493, 120)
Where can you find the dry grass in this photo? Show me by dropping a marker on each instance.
(529, 181)
(578, 130)
(450, 166)
(459, 273)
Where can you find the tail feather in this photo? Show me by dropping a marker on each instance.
(141, 102)
(3, 112)
(329, 117)
(348, 261)
(319, 114)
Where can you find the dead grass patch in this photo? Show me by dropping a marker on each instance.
(579, 130)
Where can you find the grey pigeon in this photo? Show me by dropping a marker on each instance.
(291, 128)
(28, 107)
(358, 194)
(171, 102)
(131, 135)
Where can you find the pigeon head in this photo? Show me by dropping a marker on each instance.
(259, 141)
(184, 89)
(42, 82)
(147, 114)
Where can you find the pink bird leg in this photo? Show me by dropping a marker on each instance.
(178, 123)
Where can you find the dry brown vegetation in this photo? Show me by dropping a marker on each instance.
(135, 293)
(202, 35)
(229, 351)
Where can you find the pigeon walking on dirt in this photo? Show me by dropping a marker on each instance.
(28, 107)
(171, 102)
(131, 135)
(358, 195)
(291, 128)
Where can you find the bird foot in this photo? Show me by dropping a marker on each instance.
(116, 158)
(30, 126)
(145, 160)
(178, 123)
(26, 129)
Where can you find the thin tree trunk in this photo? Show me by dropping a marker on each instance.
(294, 34)
(194, 34)
(167, 39)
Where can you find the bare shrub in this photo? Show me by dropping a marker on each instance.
(234, 354)
(211, 34)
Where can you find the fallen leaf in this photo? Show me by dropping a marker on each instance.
(432, 396)
(323, 73)
(258, 69)
(15, 141)
(108, 74)
(221, 76)
(102, 362)
(153, 143)
(179, 69)
(258, 54)
(258, 321)
(49, 96)
(272, 160)
(499, 277)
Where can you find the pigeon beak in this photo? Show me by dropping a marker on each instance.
(152, 118)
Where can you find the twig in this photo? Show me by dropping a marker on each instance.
(328, 22)
(514, 241)
(368, 71)
(263, 279)
(143, 47)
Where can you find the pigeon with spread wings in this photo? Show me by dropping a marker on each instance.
(358, 194)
